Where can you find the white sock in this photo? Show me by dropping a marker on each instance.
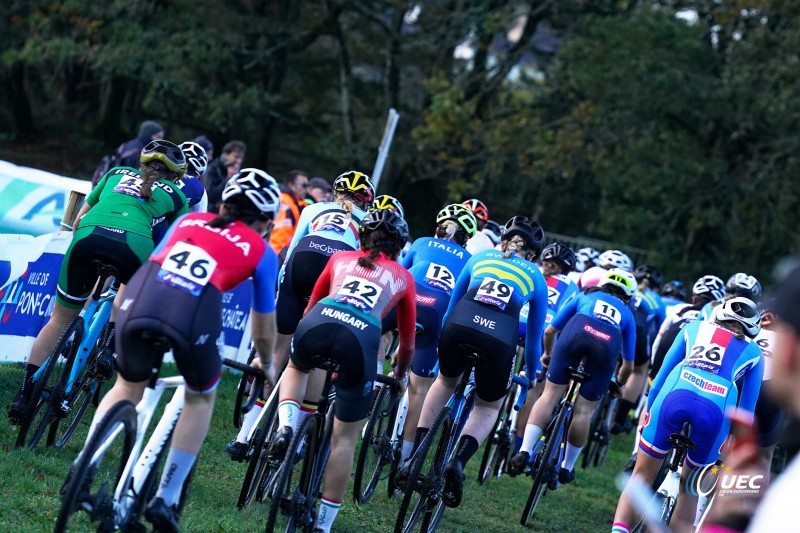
(327, 514)
(379, 369)
(570, 456)
(249, 419)
(702, 502)
(176, 468)
(405, 451)
(532, 435)
(289, 414)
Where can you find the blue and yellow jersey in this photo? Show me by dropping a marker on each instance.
(507, 283)
(435, 263)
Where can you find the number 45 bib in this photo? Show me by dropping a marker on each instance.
(188, 268)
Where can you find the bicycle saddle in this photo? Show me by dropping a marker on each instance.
(475, 353)
(681, 440)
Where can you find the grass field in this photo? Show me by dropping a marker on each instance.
(29, 484)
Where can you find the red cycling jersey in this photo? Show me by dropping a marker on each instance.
(374, 291)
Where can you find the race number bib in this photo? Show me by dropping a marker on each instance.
(336, 222)
(553, 295)
(494, 292)
(607, 312)
(187, 267)
(359, 293)
(129, 186)
(439, 276)
(765, 341)
(708, 349)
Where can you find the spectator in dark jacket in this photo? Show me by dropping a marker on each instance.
(221, 170)
(207, 145)
(128, 152)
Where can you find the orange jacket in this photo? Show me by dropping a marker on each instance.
(286, 221)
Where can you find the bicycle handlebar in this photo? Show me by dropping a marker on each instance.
(257, 387)
(525, 384)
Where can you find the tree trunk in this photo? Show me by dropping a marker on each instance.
(112, 96)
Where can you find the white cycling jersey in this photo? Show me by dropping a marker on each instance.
(479, 243)
(766, 340)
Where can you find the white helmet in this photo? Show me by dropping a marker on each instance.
(195, 157)
(587, 258)
(709, 285)
(741, 310)
(619, 278)
(615, 259)
(254, 188)
(741, 284)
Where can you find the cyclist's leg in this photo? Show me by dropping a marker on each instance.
(635, 385)
(626, 516)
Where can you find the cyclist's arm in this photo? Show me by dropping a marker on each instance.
(537, 312)
(406, 327)
(668, 322)
(629, 338)
(322, 287)
(262, 315)
(84, 209)
(407, 260)
(673, 358)
(460, 289)
(752, 384)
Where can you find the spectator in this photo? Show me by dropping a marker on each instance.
(319, 190)
(207, 145)
(293, 190)
(128, 152)
(221, 170)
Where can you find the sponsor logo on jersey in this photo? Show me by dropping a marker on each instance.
(485, 322)
(345, 317)
(425, 300)
(704, 384)
(324, 248)
(596, 333)
(223, 232)
(458, 252)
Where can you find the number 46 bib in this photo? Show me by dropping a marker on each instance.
(187, 267)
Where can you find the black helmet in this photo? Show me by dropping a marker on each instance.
(388, 221)
(251, 188)
(674, 288)
(741, 284)
(530, 230)
(560, 253)
(649, 273)
(166, 152)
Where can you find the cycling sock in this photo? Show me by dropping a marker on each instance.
(623, 409)
(405, 451)
(306, 408)
(467, 446)
(379, 370)
(176, 469)
(288, 413)
(27, 387)
(532, 435)
(570, 456)
(327, 514)
(517, 443)
(418, 436)
(249, 419)
(702, 503)
(619, 527)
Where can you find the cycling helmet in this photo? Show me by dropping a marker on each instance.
(384, 201)
(741, 284)
(619, 278)
(741, 310)
(356, 183)
(709, 285)
(253, 188)
(675, 289)
(494, 231)
(168, 153)
(196, 158)
(560, 253)
(388, 221)
(615, 259)
(586, 258)
(650, 273)
(461, 215)
(478, 208)
(530, 230)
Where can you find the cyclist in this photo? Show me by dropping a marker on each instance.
(435, 263)
(673, 293)
(384, 201)
(178, 294)
(484, 313)
(342, 322)
(494, 231)
(114, 226)
(606, 261)
(480, 241)
(697, 384)
(769, 415)
(586, 258)
(740, 284)
(596, 325)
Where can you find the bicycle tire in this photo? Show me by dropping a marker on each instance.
(489, 459)
(375, 442)
(241, 389)
(259, 455)
(66, 348)
(435, 506)
(418, 460)
(552, 443)
(85, 471)
(592, 444)
(658, 500)
(308, 435)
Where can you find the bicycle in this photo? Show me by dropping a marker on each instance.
(116, 497)
(600, 428)
(444, 432)
(296, 490)
(69, 380)
(548, 453)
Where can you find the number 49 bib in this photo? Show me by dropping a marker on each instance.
(494, 292)
(187, 267)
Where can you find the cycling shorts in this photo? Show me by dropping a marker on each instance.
(771, 420)
(598, 341)
(493, 332)
(119, 248)
(350, 337)
(389, 322)
(431, 307)
(193, 325)
(676, 405)
(301, 272)
(641, 352)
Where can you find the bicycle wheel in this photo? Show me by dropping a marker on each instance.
(290, 496)
(48, 390)
(242, 390)
(376, 446)
(658, 501)
(93, 478)
(496, 447)
(593, 444)
(421, 476)
(260, 464)
(546, 467)
(445, 449)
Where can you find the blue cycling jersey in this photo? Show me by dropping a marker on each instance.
(604, 307)
(705, 312)
(506, 282)
(329, 221)
(435, 263)
(671, 301)
(652, 304)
